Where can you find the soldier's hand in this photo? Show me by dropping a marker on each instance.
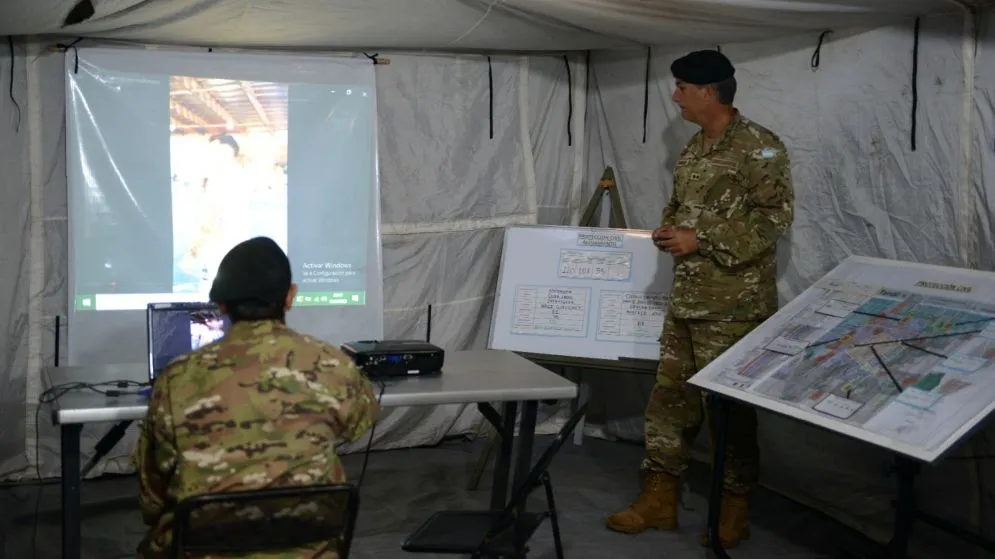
(680, 241)
(660, 235)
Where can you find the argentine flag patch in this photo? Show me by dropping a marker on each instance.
(768, 153)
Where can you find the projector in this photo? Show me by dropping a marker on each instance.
(395, 358)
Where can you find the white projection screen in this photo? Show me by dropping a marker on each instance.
(173, 157)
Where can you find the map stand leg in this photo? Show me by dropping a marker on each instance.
(907, 513)
(719, 409)
(906, 471)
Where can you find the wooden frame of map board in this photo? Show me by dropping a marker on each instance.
(899, 355)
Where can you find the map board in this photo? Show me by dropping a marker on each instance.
(581, 292)
(896, 354)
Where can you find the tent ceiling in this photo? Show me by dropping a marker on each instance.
(522, 25)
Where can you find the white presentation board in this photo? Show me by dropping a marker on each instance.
(897, 354)
(581, 292)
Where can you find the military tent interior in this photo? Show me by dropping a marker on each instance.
(886, 106)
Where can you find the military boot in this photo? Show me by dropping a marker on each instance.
(734, 522)
(655, 508)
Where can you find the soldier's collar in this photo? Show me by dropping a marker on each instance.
(257, 326)
(725, 139)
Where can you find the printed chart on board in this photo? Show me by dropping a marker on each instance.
(581, 292)
(897, 354)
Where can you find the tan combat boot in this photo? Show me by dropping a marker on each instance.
(734, 522)
(655, 508)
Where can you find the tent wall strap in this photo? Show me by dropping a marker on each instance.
(570, 102)
(490, 88)
(646, 91)
(10, 91)
(817, 55)
(915, 85)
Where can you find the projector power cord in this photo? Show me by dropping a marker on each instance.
(111, 389)
(369, 444)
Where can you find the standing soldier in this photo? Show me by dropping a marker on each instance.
(731, 203)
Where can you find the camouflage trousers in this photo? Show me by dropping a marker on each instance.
(676, 409)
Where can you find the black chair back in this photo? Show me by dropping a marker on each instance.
(271, 519)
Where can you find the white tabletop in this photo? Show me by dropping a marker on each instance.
(468, 377)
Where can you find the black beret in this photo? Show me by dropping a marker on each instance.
(256, 269)
(702, 67)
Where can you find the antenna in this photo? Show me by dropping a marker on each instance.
(58, 331)
(428, 329)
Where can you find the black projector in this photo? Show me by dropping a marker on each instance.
(395, 358)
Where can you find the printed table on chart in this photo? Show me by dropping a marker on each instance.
(631, 316)
(550, 310)
(595, 265)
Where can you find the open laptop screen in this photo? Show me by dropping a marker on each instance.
(175, 329)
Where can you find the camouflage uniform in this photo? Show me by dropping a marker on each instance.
(262, 407)
(738, 197)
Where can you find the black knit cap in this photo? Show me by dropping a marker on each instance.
(702, 67)
(254, 270)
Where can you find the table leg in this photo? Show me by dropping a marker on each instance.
(502, 465)
(71, 498)
(719, 409)
(582, 394)
(523, 459)
(526, 440)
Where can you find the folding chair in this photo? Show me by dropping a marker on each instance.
(271, 519)
(502, 533)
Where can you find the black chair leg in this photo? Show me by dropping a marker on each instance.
(554, 520)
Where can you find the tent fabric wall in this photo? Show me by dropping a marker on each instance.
(860, 189)
(14, 264)
(447, 188)
(521, 25)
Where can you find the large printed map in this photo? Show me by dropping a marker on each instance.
(900, 365)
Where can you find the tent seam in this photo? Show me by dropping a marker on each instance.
(457, 225)
(531, 197)
(36, 257)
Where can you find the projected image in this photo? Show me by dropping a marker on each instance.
(228, 167)
(171, 170)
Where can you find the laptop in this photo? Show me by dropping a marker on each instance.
(175, 329)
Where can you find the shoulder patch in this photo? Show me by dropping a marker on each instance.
(767, 153)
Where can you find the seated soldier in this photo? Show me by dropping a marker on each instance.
(261, 407)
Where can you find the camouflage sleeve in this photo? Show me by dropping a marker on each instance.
(359, 408)
(670, 210)
(156, 455)
(769, 212)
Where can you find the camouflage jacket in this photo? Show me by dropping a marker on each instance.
(738, 197)
(261, 407)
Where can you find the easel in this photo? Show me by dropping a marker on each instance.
(590, 218)
(607, 186)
